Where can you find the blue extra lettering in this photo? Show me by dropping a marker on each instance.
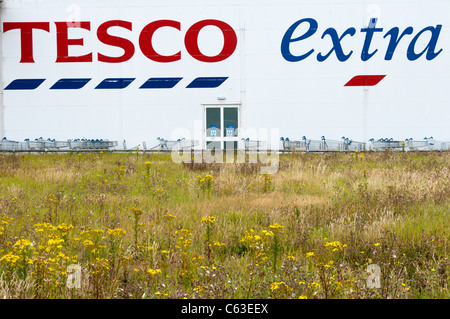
(337, 47)
(287, 40)
(395, 40)
(366, 55)
(430, 48)
(395, 37)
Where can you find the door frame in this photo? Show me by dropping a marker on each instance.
(222, 138)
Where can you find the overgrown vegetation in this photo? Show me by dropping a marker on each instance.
(140, 226)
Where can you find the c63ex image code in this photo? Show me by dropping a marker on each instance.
(239, 308)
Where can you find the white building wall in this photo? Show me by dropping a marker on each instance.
(297, 98)
(2, 116)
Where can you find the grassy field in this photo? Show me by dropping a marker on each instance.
(102, 225)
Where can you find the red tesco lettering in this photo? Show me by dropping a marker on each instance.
(63, 40)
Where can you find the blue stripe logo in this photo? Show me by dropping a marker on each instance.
(70, 84)
(117, 83)
(25, 84)
(161, 83)
(114, 83)
(206, 83)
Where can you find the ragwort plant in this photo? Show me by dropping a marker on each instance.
(384, 209)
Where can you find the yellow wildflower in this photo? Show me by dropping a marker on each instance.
(275, 226)
(116, 232)
(209, 219)
(136, 211)
(154, 272)
(88, 243)
(291, 258)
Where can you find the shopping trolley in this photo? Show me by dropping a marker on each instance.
(183, 144)
(314, 145)
(305, 144)
(105, 144)
(52, 144)
(349, 145)
(101, 144)
(416, 145)
(77, 144)
(8, 145)
(91, 144)
(165, 144)
(385, 143)
(180, 144)
(94, 144)
(434, 145)
(38, 144)
(252, 144)
(446, 146)
(289, 145)
(330, 145)
(60, 144)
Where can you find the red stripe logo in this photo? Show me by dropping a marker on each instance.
(365, 80)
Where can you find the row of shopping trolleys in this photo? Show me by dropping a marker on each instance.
(322, 145)
(41, 144)
(427, 144)
(310, 145)
(285, 144)
(186, 144)
(346, 144)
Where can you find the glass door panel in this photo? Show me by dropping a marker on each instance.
(230, 121)
(213, 122)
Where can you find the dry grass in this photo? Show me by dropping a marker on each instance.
(338, 213)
